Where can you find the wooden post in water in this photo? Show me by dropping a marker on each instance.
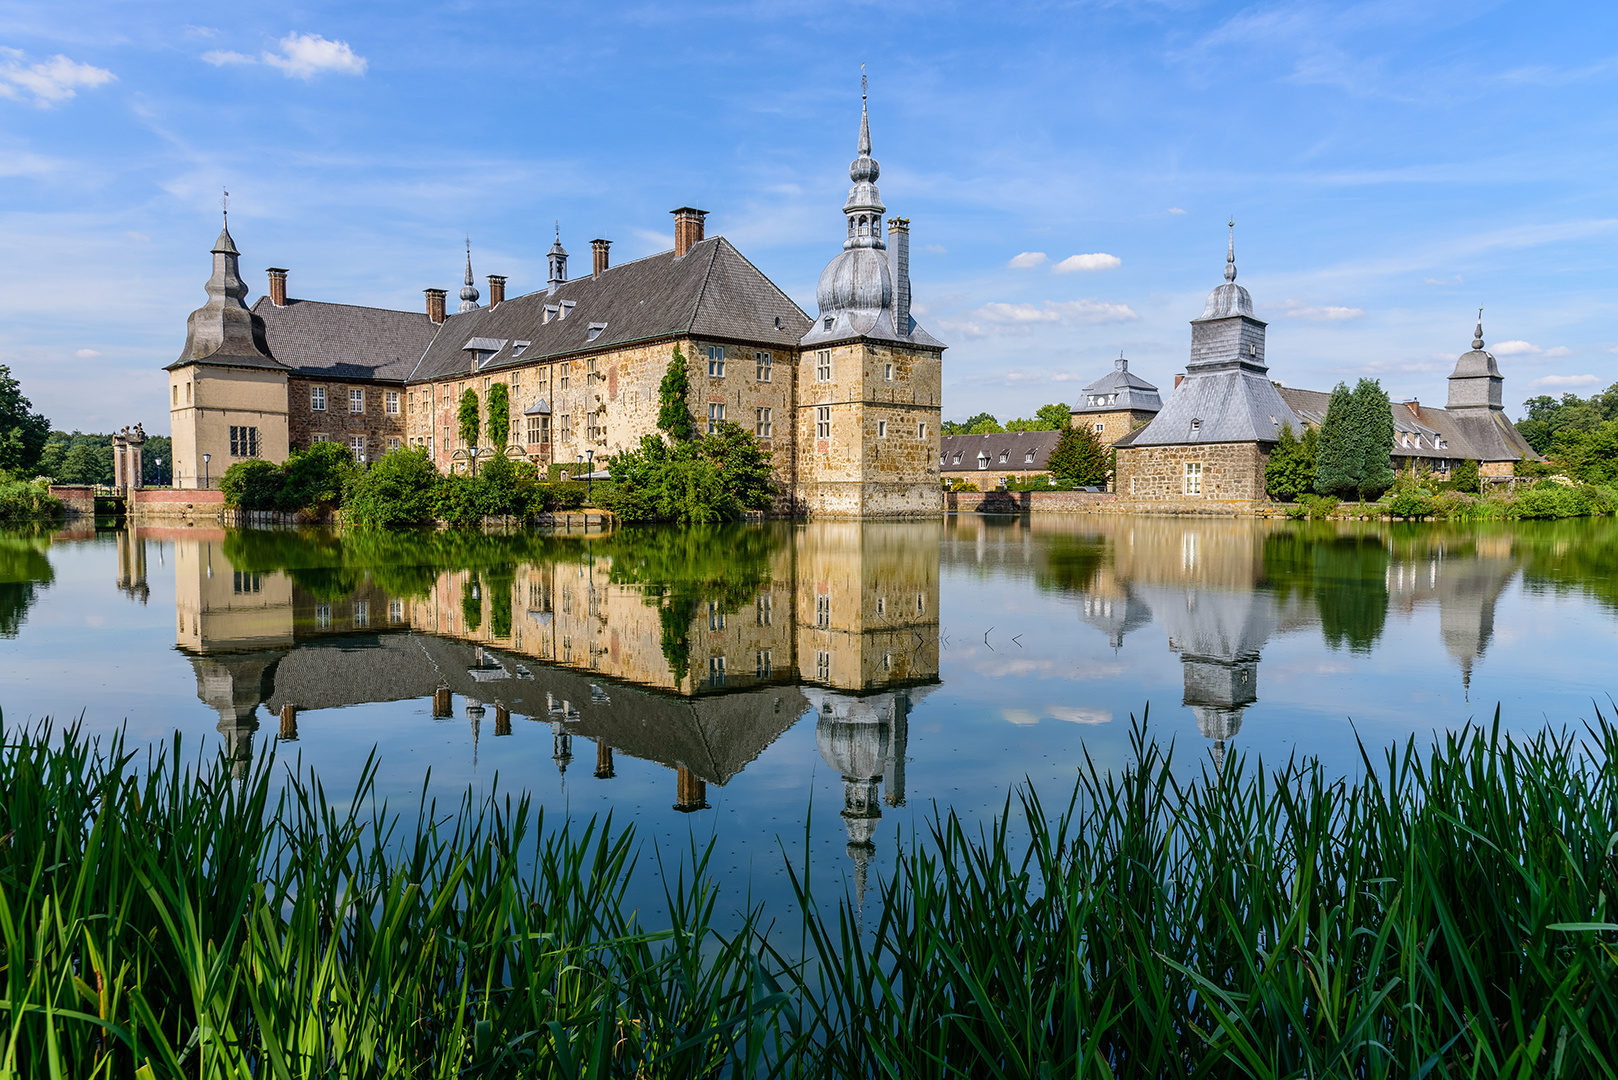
(289, 723)
(691, 793)
(443, 707)
(604, 770)
(502, 720)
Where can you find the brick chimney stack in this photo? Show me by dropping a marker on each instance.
(899, 268)
(278, 285)
(497, 290)
(1178, 379)
(435, 305)
(688, 228)
(598, 255)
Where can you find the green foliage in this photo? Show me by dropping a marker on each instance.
(253, 484)
(1465, 477)
(674, 408)
(510, 488)
(25, 572)
(1343, 573)
(963, 485)
(981, 424)
(709, 478)
(467, 417)
(499, 415)
(22, 431)
(1373, 427)
(1079, 457)
(1355, 452)
(1291, 469)
(397, 490)
(86, 462)
(316, 477)
(1411, 504)
(27, 500)
(1548, 417)
(1053, 417)
(1318, 507)
(1589, 455)
(471, 605)
(1337, 460)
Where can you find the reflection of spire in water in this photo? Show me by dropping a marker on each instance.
(561, 749)
(1466, 585)
(474, 713)
(1115, 616)
(864, 739)
(234, 685)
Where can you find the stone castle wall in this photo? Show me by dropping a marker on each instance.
(1231, 472)
(1114, 424)
(381, 430)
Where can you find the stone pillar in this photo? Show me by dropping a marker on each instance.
(443, 707)
(120, 461)
(502, 720)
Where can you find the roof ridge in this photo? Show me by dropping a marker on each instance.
(333, 303)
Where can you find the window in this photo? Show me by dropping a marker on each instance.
(589, 373)
(1003, 455)
(823, 366)
(518, 346)
(317, 398)
(716, 671)
(550, 312)
(1252, 350)
(396, 611)
(823, 611)
(887, 372)
(566, 428)
(598, 432)
(823, 667)
(322, 615)
(716, 616)
(881, 605)
(393, 443)
(983, 460)
(567, 370)
(429, 446)
(881, 429)
(319, 436)
(716, 416)
(764, 663)
(921, 604)
(539, 429)
(356, 400)
(957, 460)
(762, 609)
(247, 583)
(362, 613)
(762, 426)
(188, 393)
(1193, 478)
(243, 442)
(176, 390)
(887, 661)
(1098, 428)
(763, 361)
(716, 361)
(390, 403)
(356, 444)
(921, 431)
(823, 423)
(594, 331)
(1028, 458)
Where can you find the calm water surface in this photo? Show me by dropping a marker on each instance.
(804, 692)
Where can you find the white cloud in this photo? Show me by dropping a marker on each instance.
(1560, 350)
(1026, 259)
(1514, 348)
(303, 56)
(1564, 382)
(1080, 311)
(1328, 313)
(1020, 717)
(1175, 210)
(1093, 311)
(1074, 714)
(86, 354)
(1098, 260)
(221, 57)
(52, 81)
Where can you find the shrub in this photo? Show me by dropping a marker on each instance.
(1410, 504)
(963, 485)
(21, 500)
(397, 490)
(253, 485)
(315, 478)
(1291, 468)
(1319, 506)
(509, 488)
(1079, 457)
(718, 477)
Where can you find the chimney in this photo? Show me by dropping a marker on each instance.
(598, 256)
(278, 286)
(899, 267)
(435, 305)
(687, 228)
(1178, 379)
(497, 290)
(1415, 408)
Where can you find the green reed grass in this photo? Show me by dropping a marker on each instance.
(1444, 914)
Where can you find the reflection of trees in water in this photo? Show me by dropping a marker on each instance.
(1570, 556)
(1345, 574)
(1070, 563)
(25, 572)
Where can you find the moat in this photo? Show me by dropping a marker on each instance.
(756, 685)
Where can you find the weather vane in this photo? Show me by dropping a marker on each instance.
(224, 202)
(863, 85)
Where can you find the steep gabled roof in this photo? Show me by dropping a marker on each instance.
(711, 291)
(1480, 434)
(343, 340)
(1015, 445)
(1226, 405)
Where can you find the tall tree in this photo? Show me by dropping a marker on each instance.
(1079, 457)
(22, 431)
(1338, 459)
(674, 411)
(1373, 428)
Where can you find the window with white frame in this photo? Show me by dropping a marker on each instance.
(716, 361)
(319, 436)
(763, 609)
(590, 375)
(764, 362)
(762, 426)
(823, 365)
(823, 423)
(716, 416)
(317, 398)
(565, 428)
(1028, 458)
(983, 460)
(356, 400)
(390, 402)
(887, 372)
(396, 611)
(356, 444)
(823, 611)
(1099, 428)
(716, 616)
(1193, 478)
(362, 613)
(539, 429)
(565, 376)
(823, 667)
(393, 443)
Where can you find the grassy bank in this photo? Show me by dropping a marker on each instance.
(1446, 915)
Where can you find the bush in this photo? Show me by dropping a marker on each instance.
(397, 490)
(254, 484)
(1079, 457)
(1410, 504)
(963, 485)
(718, 477)
(317, 477)
(22, 500)
(1318, 507)
(1291, 468)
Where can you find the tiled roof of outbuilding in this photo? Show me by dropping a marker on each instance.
(343, 340)
(1480, 434)
(1015, 445)
(710, 291)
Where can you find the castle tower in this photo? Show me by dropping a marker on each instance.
(869, 378)
(1476, 381)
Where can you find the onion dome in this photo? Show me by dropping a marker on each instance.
(469, 291)
(1478, 363)
(858, 283)
(1230, 298)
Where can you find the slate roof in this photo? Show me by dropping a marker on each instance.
(345, 341)
(1230, 404)
(711, 291)
(1427, 432)
(1132, 391)
(1015, 445)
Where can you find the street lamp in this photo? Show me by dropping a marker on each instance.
(159, 463)
(473, 451)
(589, 475)
(205, 480)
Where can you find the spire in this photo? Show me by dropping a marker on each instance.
(469, 291)
(865, 116)
(557, 257)
(224, 326)
(1230, 254)
(1477, 335)
(864, 207)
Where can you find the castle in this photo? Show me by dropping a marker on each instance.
(847, 402)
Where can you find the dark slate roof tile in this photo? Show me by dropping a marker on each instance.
(345, 341)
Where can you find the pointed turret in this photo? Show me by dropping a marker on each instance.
(223, 329)
(557, 257)
(469, 291)
(1476, 382)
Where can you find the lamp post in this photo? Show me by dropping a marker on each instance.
(589, 475)
(159, 463)
(473, 451)
(206, 482)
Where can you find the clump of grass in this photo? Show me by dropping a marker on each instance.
(1445, 914)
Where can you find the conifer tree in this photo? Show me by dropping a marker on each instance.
(1373, 432)
(1291, 468)
(674, 414)
(1339, 462)
(1079, 457)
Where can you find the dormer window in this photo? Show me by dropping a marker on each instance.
(567, 308)
(1028, 457)
(957, 458)
(594, 331)
(1003, 455)
(1252, 350)
(983, 461)
(828, 322)
(550, 312)
(517, 347)
(1196, 424)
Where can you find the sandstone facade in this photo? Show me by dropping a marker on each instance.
(1207, 473)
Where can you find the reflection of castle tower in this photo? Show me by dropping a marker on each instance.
(132, 565)
(864, 739)
(234, 685)
(1218, 636)
(1467, 593)
(1115, 615)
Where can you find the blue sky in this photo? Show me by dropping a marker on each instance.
(1391, 166)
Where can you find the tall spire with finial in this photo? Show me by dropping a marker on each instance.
(1477, 335)
(864, 207)
(469, 291)
(1230, 254)
(557, 257)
